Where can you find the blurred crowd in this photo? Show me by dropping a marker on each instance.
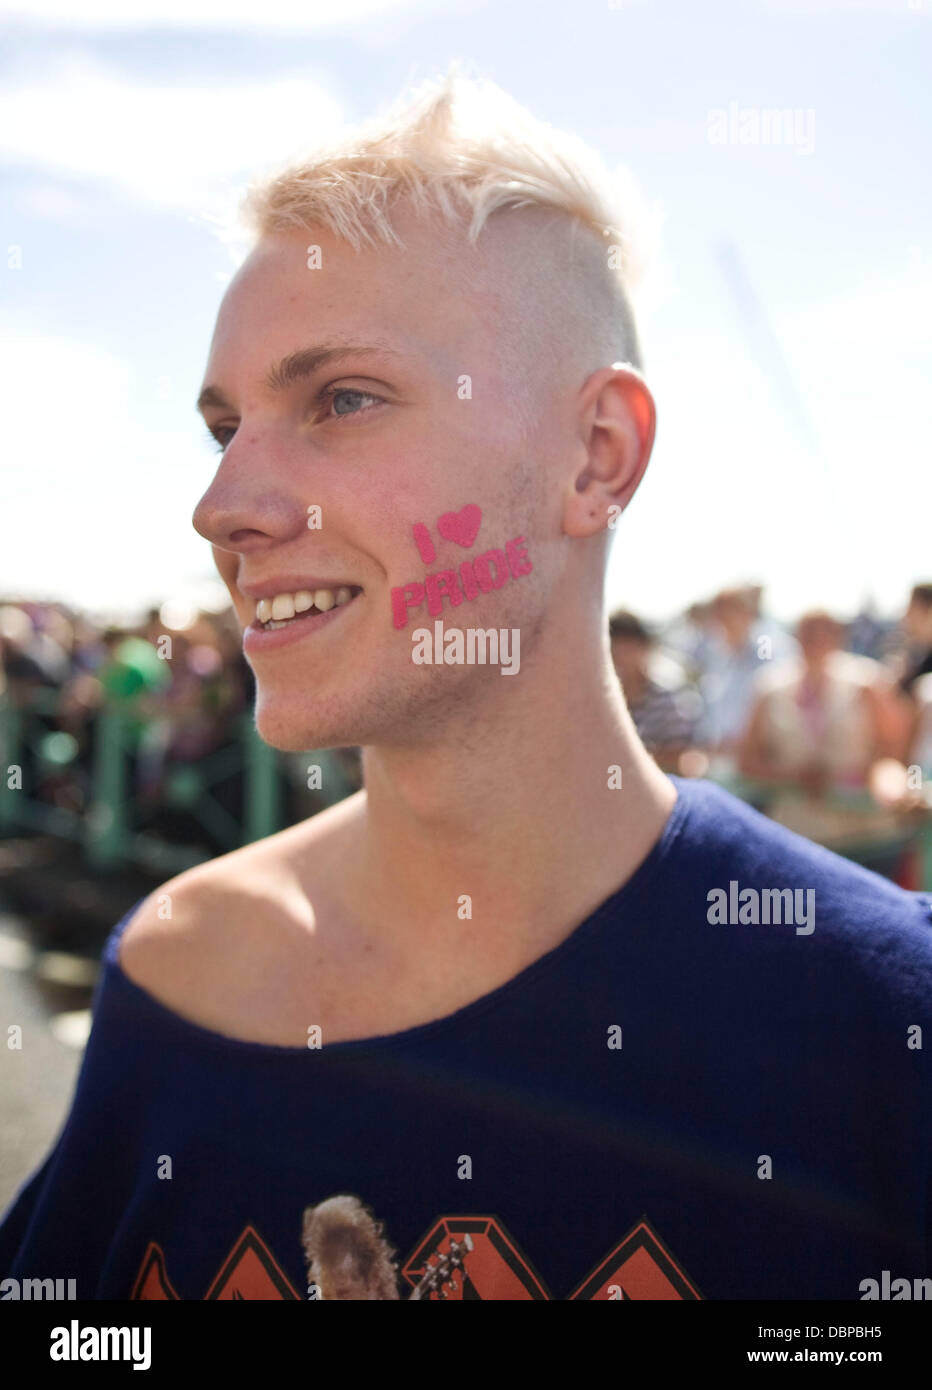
(830, 721)
(833, 717)
(181, 693)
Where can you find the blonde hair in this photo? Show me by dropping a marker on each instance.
(461, 148)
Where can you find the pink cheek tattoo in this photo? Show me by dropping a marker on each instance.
(409, 596)
(461, 526)
(486, 572)
(438, 584)
(424, 543)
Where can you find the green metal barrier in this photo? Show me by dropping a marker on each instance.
(108, 830)
(111, 837)
(21, 730)
(263, 795)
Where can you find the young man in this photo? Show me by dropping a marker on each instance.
(525, 1018)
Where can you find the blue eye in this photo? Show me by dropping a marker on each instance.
(221, 436)
(216, 436)
(332, 393)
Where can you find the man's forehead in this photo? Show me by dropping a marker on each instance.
(408, 303)
(437, 300)
(312, 276)
(431, 256)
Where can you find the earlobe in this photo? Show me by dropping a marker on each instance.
(618, 423)
(584, 514)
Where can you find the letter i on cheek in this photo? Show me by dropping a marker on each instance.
(424, 543)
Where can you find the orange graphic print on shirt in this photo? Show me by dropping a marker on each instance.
(460, 1257)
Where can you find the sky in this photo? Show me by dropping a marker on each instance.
(786, 320)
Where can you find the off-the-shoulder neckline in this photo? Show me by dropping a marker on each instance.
(163, 1016)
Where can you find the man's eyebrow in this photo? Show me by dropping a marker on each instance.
(297, 365)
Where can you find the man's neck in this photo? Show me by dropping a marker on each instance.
(528, 816)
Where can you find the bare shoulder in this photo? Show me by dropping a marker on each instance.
(201, 940)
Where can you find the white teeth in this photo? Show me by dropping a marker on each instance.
(274, 612)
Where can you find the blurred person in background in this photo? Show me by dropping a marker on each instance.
(868, 632)
(665, 709)
(906, 780)
(820, 719)
(52, 641)
(34, 668)
(902, 781)
(741, 646)
(30, 663)
(917, 624)
(919, 749)
(818, 724)
(691, 637)
(132, 675)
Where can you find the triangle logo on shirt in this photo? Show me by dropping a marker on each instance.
(487, 1264)
(250, 1271)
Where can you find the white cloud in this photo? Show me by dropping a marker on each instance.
(282, 15)
(174, 145)
(53, 203)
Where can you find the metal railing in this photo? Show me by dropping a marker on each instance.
(107, 827)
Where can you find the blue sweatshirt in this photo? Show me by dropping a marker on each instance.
(717, 1086)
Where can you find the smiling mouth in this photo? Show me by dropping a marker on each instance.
(286, 609)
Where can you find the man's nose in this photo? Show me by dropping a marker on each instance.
(252, 497)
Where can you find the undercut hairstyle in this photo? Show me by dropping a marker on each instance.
(460, 149)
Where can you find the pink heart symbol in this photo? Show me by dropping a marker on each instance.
(461, 526)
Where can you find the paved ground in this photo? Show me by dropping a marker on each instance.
(55, 914)
(47, 995)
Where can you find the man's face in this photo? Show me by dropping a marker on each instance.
(734, 617)
(918, 622)
(378, 441)
(818, 637)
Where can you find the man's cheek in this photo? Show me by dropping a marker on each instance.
(450, 587)
(226, 565)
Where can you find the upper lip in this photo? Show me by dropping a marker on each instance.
(291, 584)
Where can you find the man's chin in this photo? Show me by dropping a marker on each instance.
(290, 735)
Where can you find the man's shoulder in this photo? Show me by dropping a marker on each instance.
(726, 847)
(209, 926)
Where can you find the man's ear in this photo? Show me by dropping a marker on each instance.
(617, 423)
